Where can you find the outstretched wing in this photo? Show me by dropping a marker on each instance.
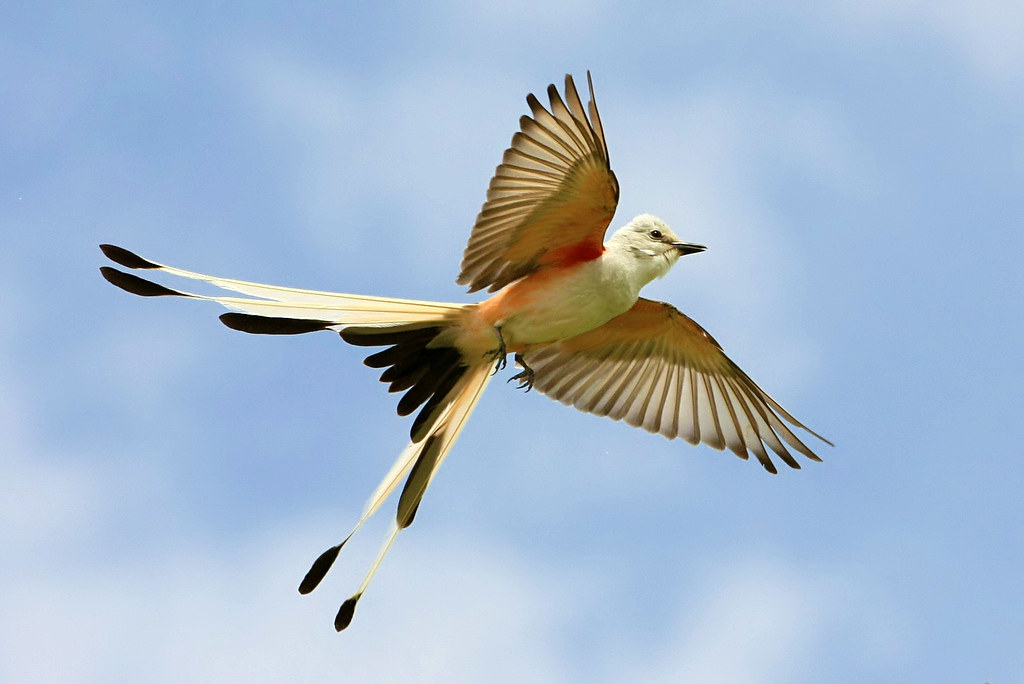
(550, 200)
(655, 368)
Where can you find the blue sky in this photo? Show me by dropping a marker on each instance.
(857, 172)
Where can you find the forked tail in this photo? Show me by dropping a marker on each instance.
(432, 376)
(436, 378)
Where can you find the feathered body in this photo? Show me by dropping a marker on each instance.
(566, 303)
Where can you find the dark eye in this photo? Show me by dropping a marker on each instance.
(656, 234)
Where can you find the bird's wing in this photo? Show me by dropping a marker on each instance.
(550, 200)
(655, 368)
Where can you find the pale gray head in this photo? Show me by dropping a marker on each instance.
(650, 246)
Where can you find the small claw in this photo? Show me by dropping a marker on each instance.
(525, 377)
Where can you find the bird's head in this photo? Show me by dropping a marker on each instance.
(650, 246)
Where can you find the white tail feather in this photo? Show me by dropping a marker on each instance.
(449, 424)
(338, 311)
(290, 294)
(287, 302)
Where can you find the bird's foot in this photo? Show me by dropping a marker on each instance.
(498, 355)
(525, 376)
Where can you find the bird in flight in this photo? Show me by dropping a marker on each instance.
(566, 303)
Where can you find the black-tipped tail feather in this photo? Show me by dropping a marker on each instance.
(319, 569)
(416, 484)
(345, 613)
(272, 325)
(120, 255)
(136, 285)
(426, 374)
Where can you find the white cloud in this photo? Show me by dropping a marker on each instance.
(764, 620)
(536, 17)
(448, 609)
(756, 626)
(383, 167)
(987, 33)
(43, 499)
(230, 612)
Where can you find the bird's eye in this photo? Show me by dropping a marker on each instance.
(656, 234)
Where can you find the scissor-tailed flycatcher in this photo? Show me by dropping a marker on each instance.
(567, 305)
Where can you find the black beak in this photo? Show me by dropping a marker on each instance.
(688, 248)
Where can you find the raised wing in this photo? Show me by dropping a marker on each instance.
(550, 200)
(655, 368)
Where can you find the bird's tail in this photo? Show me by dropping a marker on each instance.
(275, 310)
(433, 375)
(435, 378)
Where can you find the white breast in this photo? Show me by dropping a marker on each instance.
(587, 297)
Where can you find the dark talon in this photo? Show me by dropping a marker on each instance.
(525, 377)
(499, 354)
